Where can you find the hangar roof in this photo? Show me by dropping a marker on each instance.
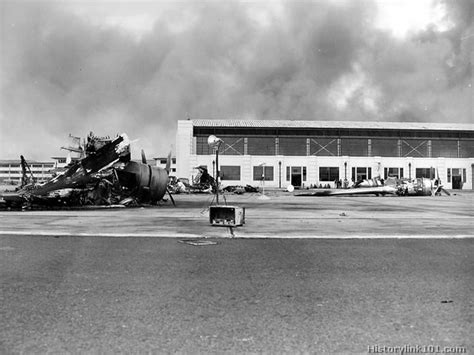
(334, 124)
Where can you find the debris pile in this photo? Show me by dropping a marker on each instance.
(103, 175)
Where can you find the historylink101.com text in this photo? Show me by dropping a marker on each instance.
(416, 349)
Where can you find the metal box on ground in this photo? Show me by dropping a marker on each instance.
(226, 216)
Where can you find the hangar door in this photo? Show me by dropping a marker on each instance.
(296, 175)
(457, 177)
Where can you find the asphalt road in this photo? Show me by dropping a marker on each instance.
(129, 295)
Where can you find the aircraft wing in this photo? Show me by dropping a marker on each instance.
(376, 190)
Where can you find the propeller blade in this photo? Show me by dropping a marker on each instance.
(143, 157)
(437, 185)
(446, 191)
(171, 197)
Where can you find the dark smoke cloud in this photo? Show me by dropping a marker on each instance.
(64, 73)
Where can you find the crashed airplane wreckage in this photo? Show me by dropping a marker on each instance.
(391, 186)
(103, 176)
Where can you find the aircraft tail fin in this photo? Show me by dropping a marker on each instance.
(25, 171)
(168, 163)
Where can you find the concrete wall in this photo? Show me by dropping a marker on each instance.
(312, 164)
(184, 149)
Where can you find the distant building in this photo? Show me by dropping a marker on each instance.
(11, 172)
(161, 162)
(308, 153)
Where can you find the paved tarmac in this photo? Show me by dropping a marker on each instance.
(135, 295)
(69, 285)
(279, 215)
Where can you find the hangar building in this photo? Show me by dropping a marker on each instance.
(309, 153)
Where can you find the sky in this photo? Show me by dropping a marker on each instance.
(71, 67)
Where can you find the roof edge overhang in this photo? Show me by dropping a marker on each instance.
(302, 124)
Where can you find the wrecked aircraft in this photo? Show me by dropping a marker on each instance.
(239, 189)
(391, 186)
(203, 182)
(104, 176)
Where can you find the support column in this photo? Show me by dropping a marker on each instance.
(184, 148)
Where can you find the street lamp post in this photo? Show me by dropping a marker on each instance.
(279, 174)
(345, 175)
(263, 178)
(225, 216)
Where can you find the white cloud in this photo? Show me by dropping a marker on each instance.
(137, 25)
(401, 17)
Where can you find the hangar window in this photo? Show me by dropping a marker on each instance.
(429, 173)
(292, 146)
(328, 173)
(232, 146)
(444, 148)
(263, 171)
(202, 147)
(261, 145)
(355, 147)
(385, 147)
(414, 148)
(457, 172)
(393, 172)
(361, 173)
(323, 146)
(466, 149)
(230, 172)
